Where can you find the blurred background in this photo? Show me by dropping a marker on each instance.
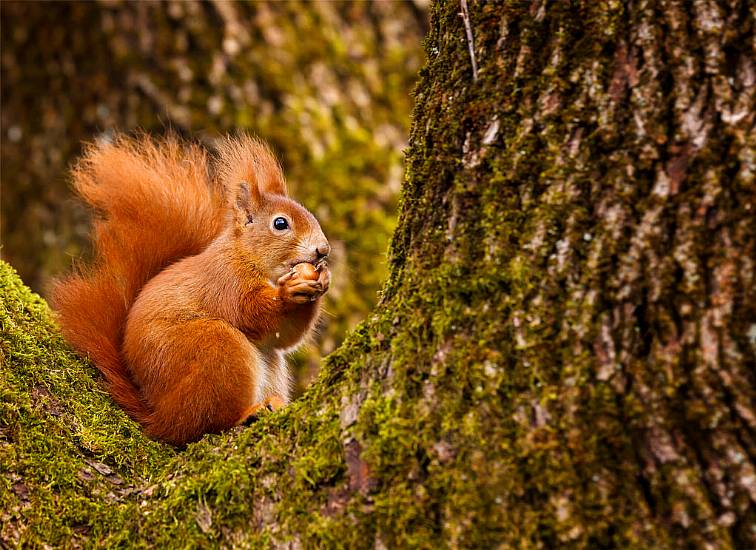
(327, 84)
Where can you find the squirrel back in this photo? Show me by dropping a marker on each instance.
(154, 203)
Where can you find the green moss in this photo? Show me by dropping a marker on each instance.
(70, 459)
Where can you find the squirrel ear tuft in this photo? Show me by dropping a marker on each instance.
(248, 199)
(244, 158)
(274, 184)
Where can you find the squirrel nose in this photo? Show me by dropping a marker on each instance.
(322, 250)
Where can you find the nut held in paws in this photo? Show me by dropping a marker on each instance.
(306, 271)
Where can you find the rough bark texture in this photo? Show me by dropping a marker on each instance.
(565, 349)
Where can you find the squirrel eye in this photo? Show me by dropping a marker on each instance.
(280, 224)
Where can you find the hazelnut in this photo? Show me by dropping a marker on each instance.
(307, 271)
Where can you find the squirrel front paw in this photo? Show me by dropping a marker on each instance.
(296, 288)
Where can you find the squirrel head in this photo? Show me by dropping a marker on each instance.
(273, 231)
(278, 232)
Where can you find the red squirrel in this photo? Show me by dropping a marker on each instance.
(193, 298)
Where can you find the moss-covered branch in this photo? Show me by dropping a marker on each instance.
(76, 470)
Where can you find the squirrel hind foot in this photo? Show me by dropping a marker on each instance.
(251, 414)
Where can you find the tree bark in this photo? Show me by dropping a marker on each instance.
(564, 351)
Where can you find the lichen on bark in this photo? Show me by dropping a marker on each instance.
(564, 350)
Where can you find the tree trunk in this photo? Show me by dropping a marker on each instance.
(565, 347)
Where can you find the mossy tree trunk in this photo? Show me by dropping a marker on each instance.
(572, 292)
(565, 348)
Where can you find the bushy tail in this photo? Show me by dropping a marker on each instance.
(155, 204)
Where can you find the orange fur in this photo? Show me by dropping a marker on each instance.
(190, 303)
